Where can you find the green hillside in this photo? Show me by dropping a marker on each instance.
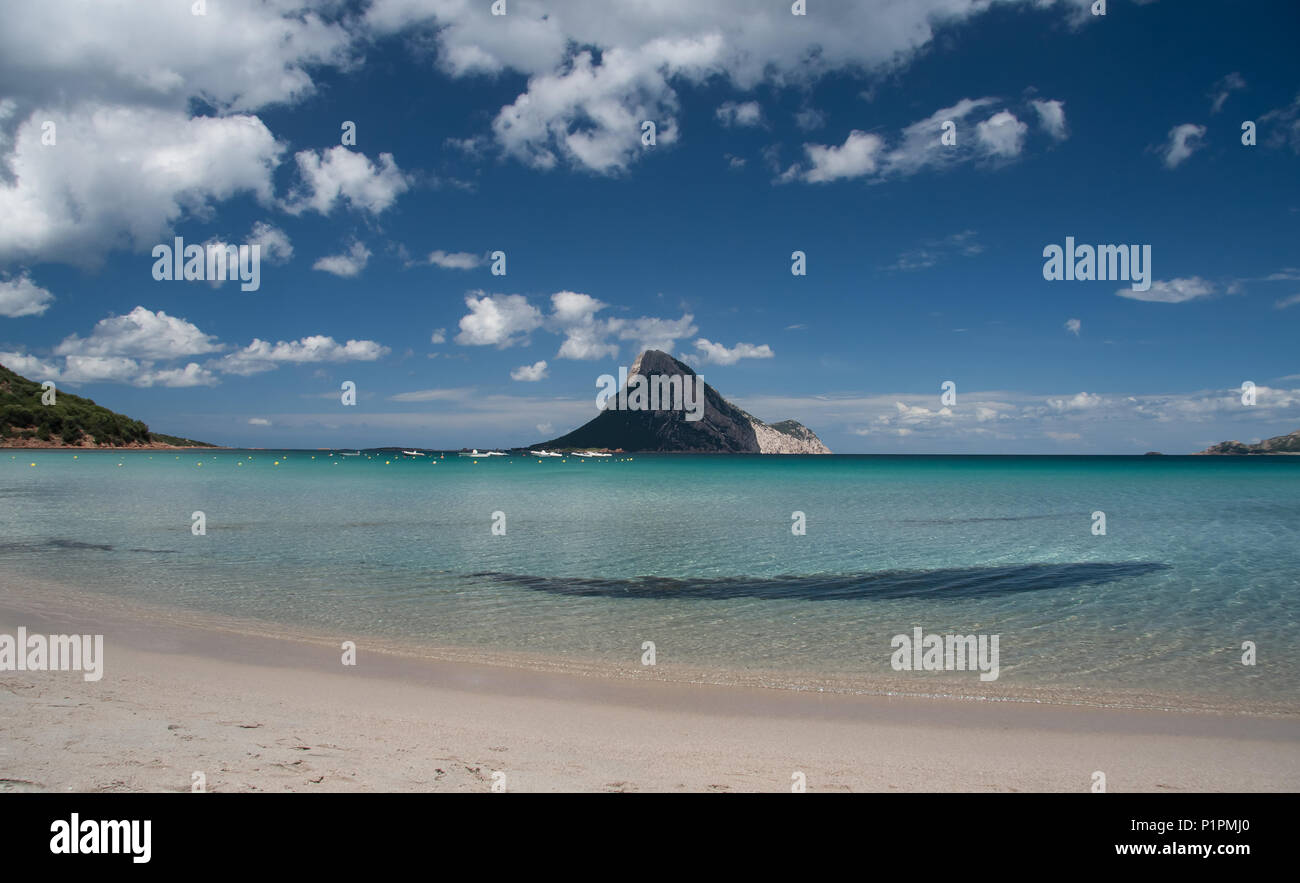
(71, 420)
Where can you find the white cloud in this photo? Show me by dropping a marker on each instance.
(261, 421)
(260, 355)
(191, 375)
(1171, 291)
(30, 366)
(1083, 401)
(23, 297)
(649, 333)
(342, 174)
(276, 247)
(586, 337)
(1074, 326)
(120, 177)
(1051, 116)
(241, 55)
(744, 114)
(708, 352)
(591, 114)
(455, 260)
(348, 264)
(140, 334)
(852, 159)
(919, 145)
(500, 320)
(439, 335)
(588, 112)
(1002, 134)
(999, 137)
(529, 373)
(1183, 141)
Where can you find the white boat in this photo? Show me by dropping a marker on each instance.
(545, 454)
(477, 453)
(413, 453)
(592, 454)
(346, 454)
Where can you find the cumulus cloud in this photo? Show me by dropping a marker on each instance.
(130, 159)
(529, 373)
(348, 264)
(241, 55)
(1171, 291)
(584, 106)
(500, 320)
(573, 314)
(1074, 326)
(340, 174)
(136, 348)
(142, 334)
(852, 159)
(1183, 142)
(260, 355)
(276, 247)
(708, 352)
(1002, 134)
(125, 178)
(506, 320)
(23, 297)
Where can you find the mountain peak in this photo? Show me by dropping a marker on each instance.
(721, 427)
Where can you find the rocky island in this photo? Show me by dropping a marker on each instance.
(1278, 444)
(723, 428)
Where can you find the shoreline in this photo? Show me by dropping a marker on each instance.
(123, 613)
(274, 712)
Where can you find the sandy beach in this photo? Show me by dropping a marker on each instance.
(257, 712)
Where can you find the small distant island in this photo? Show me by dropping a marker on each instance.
(71, 422)
(722, 428)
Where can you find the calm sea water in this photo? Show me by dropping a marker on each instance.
(696, 553)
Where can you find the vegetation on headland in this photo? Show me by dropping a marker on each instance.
(71, 421)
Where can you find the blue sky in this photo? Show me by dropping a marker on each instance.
(775, 133)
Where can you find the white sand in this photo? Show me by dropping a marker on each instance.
(262, 713)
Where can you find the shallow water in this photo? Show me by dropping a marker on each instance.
(696, 554)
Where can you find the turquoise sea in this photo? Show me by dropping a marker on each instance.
(697, 554)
